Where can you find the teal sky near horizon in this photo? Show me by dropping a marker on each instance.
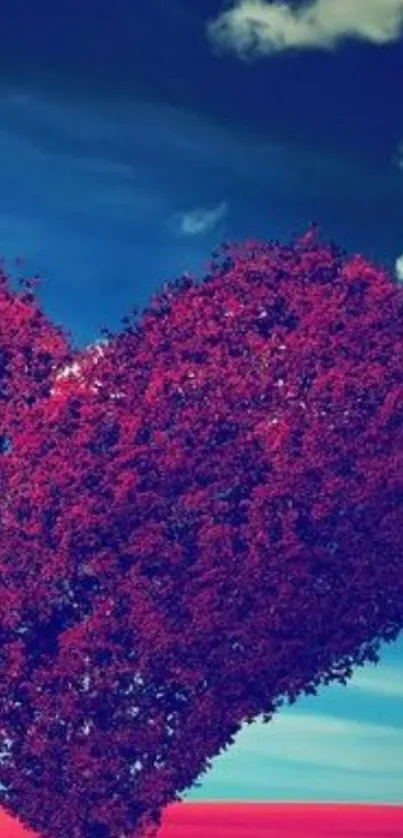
(132, 142)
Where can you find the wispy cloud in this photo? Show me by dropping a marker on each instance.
(324, 740)
(385, 680)
(321, 755)
(253, 28)
(199, 220)
(309, 756)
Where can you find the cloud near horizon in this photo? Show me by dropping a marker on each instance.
(340, 758)
(254, 28)
(323, 753)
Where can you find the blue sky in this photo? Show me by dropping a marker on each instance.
(136, 137)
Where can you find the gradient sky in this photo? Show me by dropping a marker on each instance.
(133, 139)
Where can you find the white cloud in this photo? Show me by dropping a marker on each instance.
(253, 28)
(201, 219)
(399, 268)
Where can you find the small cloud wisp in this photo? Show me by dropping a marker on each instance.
(200, 220)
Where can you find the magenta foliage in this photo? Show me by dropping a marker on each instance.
(206, 523)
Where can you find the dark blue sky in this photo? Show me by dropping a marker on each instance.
(134, 137)
(136, 104)
(346, 100)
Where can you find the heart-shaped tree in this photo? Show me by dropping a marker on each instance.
(203, 522)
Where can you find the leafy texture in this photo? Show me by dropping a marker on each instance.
(203, 522)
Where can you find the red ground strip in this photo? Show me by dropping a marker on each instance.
(261, 820)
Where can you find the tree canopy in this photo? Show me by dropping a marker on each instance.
(202, 524)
